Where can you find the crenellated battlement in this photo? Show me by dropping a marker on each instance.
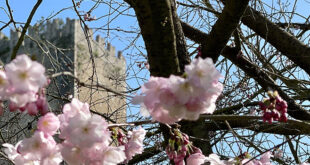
(53, 31)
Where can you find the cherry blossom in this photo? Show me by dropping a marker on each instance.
(274, 108)
(19, 100)
(4, 85)
(39, 149)
(25, 74)
(214, 160)
(114, 155)
(196, 159)
(38, 146)
(135, 143)
(304, 163)
(85, 132)
(245, 158)
(49, 123)
(180, 148)
(172, 99)
(20, 83)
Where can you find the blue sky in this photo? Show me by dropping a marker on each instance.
(21, 11)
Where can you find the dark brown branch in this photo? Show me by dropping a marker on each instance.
(21, 38)
(157, 28)
(301, 26)
(291, 146)
(264, 80)
(286, 43)
(223, 28)
(183, 55)
(199, 7)
(254, 123)
(194, 128)
(193, 33)
(234, 108)
(147, 153)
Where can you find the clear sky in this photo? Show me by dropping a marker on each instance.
(21, 10)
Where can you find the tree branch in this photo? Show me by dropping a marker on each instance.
(157, 28)
(264, 80)
(254, 123)
(223, 28)
(286, 43)
(21, 38)
(183, 55)
(301, 26)
(147, 153)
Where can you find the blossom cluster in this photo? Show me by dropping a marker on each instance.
(274, 108)
(21, 83)
(169, 100)
(180, 148)
(133, 141)
(85, 139)
(214, 159)
(41, 148)
(88, 17)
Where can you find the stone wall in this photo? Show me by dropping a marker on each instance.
(62, 46)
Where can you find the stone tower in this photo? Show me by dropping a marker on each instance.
(97, 77)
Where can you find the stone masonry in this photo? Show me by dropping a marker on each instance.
(62, 47)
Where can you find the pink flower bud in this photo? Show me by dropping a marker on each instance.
(32, 108)
(12, 107)
(1, 110)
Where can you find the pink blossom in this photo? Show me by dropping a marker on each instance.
(135, 143)
(32, 108)
(53, 158)
(16, 157)
(183, 89)
(13, 107)
(25, 75)
(42, 104)
(274, 108)
(137, 135)
(38, 146)
(172, 99)
(11, 151)
(73, 108)
(278, 153)
(85, 131)
(72, 154)
(4, 85)
(202, 73)
(113, 155)
(153, 89)
(24, 161)
(265, 158)
(195, 159)
(163, 115)
(250, 162)
(1, 109)
(214, 160)
(49, 123)
(20, 100)
(70, 110)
